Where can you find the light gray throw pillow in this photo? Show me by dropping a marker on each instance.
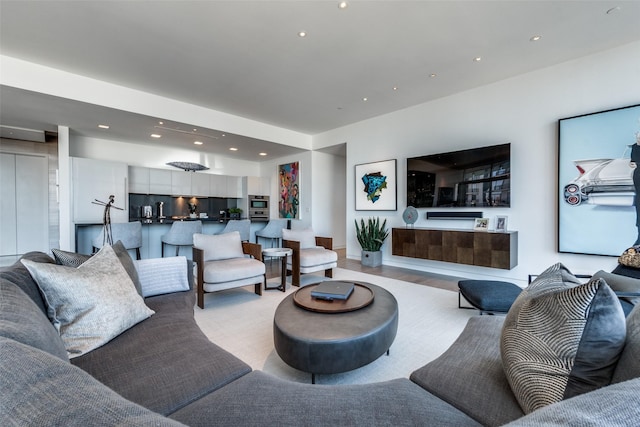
(72, 259)
(162, 275)
(92, 304)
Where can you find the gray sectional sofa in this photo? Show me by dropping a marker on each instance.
(164, 371)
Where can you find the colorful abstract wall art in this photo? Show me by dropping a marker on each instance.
(376, 186)
(289, 190)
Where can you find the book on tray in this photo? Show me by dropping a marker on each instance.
(331, 290)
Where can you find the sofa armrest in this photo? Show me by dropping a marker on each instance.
(164, 275)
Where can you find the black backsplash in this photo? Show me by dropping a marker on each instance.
(177, 206)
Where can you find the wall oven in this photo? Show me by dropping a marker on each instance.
(259, 208)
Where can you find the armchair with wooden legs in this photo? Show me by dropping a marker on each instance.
(225, 262)
(310, 254)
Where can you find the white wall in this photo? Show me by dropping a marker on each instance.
(524, 111)
(322, 193)
(329, 197)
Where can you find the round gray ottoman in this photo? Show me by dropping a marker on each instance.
(329, 343)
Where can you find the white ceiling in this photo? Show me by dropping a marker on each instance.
(246, 58)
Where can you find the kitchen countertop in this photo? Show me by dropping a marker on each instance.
(171, 220)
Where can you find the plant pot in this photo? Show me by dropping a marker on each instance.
(371, 259)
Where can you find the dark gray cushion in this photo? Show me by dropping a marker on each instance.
(259, 399)
(621, 283)
(164, 362)
(561, 338)
(40, 389)
(613, 406)
(20, 276)
(72, 259)
(628, 366)
(623, 270)
(469, 374)
(23, 321)
(489, 295)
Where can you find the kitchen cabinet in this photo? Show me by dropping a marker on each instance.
(258, 186)
(218, 185)
(160, 181)
(139, 180)
(234, 187)
(144, 180)
(180, 183)
(200, 185)
(98, 179)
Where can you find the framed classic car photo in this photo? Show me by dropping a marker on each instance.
(597, 182)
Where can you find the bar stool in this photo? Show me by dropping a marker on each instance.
(181, 234)
(272, 231)
(129, 233)
(243, 226)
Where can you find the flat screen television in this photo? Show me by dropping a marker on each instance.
(478, 177)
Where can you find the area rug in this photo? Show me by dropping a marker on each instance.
(241, 322)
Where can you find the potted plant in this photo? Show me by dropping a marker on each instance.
(371, 236)
(234, 213)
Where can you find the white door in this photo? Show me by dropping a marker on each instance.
(24, 204)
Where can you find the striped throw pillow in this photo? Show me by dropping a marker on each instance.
(561, 338)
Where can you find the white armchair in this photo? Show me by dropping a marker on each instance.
(225, 262)
(311, 253)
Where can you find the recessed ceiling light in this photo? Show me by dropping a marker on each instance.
(103, 126)
(477, 59)
(224, 134)
(233, 149)
(535, 38)
(155, 135)
(343, 5)
(195, 130)
(365, 99)
(432, 75)
(160, 123)
(395, 88)
(302, 34)
(262, 154)
(198, 142)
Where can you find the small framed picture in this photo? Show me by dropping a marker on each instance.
(501, 223)
(481, 224)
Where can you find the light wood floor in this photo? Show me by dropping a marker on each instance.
(414, 276)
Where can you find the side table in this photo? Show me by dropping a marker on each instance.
(281, 253)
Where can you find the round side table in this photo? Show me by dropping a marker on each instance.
(281, 253)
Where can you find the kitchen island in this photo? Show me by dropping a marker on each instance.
(152, 231)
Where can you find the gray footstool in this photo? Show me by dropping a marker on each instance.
(488, 296)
